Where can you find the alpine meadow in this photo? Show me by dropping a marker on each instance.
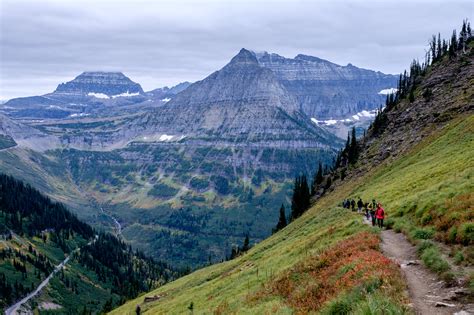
(151, 165)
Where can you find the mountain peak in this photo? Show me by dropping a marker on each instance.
(310, 58)
(244, 57)
(108, 83)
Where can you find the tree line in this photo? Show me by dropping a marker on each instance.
(26, 212)
(348, 156)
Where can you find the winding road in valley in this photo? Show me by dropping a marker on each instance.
(16, 308)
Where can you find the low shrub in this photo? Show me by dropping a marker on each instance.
(389, 223)
(458, 257)
(423, 233)
(326, 282)
(465, 233)
(432, 258)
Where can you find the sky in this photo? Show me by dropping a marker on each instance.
(164, 42)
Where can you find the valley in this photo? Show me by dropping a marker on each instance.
(150, 166)
(202, 169)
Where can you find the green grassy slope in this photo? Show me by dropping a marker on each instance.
(6, 142)
(433, 187)
(433, 174)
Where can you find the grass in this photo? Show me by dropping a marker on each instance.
(6, 142)
(246, 285)
(429, 195)
(432, 258)
(303, 268)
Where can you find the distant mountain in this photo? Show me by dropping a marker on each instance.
(199, 170)
(86, 95)
(166, 93)
(242, 102)
(325, 90)
(107, 83)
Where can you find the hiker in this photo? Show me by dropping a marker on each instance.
(344, 203)
(366, 205)
(360, 204)
(138, 310)
(353, 204)
(380, 215)
(347, 203)
(372, 207)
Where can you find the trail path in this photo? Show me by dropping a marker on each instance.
(428, 294)
(16, 308)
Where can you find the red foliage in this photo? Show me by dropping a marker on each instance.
(350, 263)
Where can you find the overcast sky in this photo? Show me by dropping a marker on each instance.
(157, 43)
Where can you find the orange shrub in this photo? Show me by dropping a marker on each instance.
(350, 263)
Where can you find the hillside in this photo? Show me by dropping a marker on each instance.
(419, 165)
(37, 234)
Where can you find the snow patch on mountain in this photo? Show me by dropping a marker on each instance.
(166, 99)
(98, 95)
(126, 94)
(357, 117)
(388, 91)
(75, 115)
(163, 138)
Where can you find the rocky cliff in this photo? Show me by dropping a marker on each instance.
(325, 90)
(106, 83)
(242, 102)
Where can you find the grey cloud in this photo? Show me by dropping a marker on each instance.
(161, 43)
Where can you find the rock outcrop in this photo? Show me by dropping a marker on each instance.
(325, 90)
(107, 83)
(242, 102)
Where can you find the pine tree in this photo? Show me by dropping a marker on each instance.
(434, 56)
(353, 150)
(439, 47)
(282, 219)
(246, 245)
(296, 200)
(452, 45)
(318, 178)
(305, 195)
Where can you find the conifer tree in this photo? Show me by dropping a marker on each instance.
(246, 245)
(453, 45)
(439, 47)
(318, 178)
(282, 219)
(353, 151)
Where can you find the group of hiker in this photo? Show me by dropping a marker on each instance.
(373, 210)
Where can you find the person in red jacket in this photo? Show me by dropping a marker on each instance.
(380, 215)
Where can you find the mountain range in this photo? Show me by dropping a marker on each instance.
(199, 165)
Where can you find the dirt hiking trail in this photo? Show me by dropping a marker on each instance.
(428, 294)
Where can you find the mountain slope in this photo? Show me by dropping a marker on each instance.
(105, 83)
(423, 176)
(199, 172)
(241, 102)
(325, 90)
(89, 94)
(37, 234)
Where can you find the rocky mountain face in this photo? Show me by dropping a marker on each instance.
(26, 136)
(195, 166)
(325, 90)
(108, 83)
(242, 102)
(91, 94)
(166, 93)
